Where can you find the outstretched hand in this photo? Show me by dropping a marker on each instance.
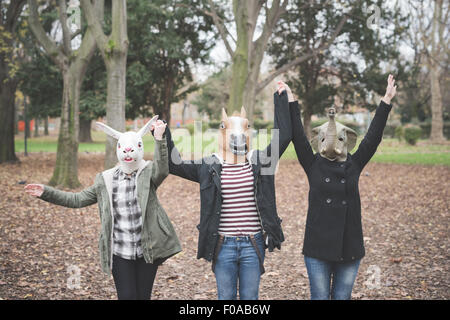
(281, 86)
(159, 128)
(391, 90)
(35, 190)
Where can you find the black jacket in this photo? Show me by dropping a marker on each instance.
(206, 171)
(333, 223)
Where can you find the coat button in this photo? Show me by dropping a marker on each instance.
(327, 179)
(344, 202)
(328, 200)
(341, 165)
(342, 180)
(218, 212)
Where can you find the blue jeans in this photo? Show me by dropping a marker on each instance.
(238, 262)
(321, 273)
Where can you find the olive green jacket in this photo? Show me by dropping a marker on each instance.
(158, 239)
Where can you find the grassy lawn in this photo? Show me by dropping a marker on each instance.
(390, 150)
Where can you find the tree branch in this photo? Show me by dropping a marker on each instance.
(305, 57)
(44, 40)
(220, 27)
(66, 37)
(94, 23)
(119, 25)
(14, 11)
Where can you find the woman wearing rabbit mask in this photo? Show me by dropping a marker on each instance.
(333, 245)
(136, 234)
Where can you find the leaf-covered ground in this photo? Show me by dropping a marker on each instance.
(405, 219)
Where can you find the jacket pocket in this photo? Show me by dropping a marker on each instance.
(205, 184)
(162, 224)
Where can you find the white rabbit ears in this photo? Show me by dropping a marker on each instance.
(116, 134)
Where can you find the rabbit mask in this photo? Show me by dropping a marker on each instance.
(130, 148)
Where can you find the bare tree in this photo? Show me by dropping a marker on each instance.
(9, 17)
(114, 50)
(248, 54)
(72, 64)
(430, 34)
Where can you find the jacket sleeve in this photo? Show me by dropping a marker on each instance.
(372, 139)
(281, 138)
(80, 199)
(160, 166)
(303, 149)
(177, 166)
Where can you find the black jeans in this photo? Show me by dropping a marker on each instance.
(133, 278)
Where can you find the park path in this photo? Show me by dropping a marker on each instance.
(405, 219)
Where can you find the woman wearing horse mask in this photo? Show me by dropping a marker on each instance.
(238, 217)
(333, 245)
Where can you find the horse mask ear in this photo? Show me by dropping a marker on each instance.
(108, 130)
(146, 128)
(224, 115)
(243, 112)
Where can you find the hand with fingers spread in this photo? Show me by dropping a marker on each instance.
(391, 90)
(159, 128)
(35, 190)
(281, 86)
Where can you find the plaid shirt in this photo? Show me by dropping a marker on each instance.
(127, 216)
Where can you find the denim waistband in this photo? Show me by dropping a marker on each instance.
(244, 238)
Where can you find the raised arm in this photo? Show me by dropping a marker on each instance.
(80, 199)
(177, 166)
(372, 139)
(282, 121)
(160, 167)
(303, 149)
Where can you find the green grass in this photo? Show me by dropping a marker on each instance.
(390, 150)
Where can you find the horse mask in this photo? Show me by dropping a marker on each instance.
(332, 139)
(234, 133)
(130, 148)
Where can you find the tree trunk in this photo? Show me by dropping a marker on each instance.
(114, 49)
(36, 127)
(7, 99)
(27, 126)
(436, 57)
(115, 102)
(437, 121)
(46, 126)
(85, 131)
(73, 67)
(240, 66)
(65, 172)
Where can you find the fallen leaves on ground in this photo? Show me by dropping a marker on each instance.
(45, 248)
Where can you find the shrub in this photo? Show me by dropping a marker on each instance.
(399, 133)
(190, 128)
(412, 133)
(214, 124)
